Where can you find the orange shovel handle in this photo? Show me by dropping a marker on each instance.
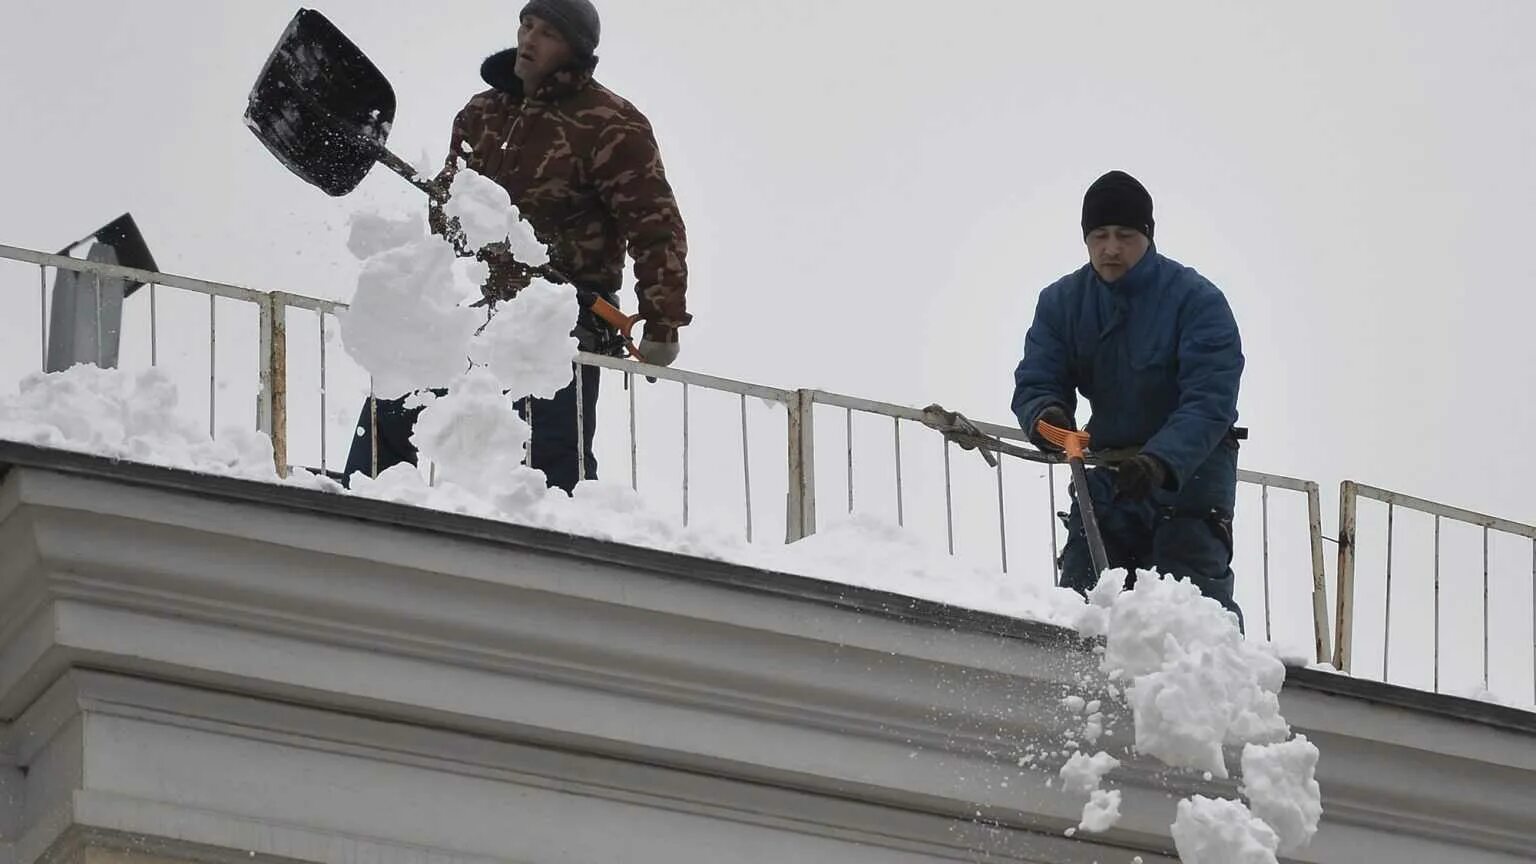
(625, 324)
(1075, 443)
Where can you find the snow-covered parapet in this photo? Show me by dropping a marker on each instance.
(132, 416)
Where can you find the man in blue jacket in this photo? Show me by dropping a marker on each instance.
(1154, 347)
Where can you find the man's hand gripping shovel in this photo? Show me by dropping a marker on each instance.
(625, 324)
(1076, 446)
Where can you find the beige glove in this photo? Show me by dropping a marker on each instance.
(659, 353)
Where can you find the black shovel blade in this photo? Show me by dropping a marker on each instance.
(321, 106)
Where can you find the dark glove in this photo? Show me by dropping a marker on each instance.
(1139, 476)
(1055, 415)
(508, 275)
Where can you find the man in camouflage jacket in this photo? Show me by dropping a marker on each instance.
(583, 167)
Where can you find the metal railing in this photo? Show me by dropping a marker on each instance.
(1350, 494)
(800, 447)
(272, 306)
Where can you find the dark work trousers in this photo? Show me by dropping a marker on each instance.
(1185, 534)
(553, 449)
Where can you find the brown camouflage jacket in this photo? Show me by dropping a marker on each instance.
(582, 166)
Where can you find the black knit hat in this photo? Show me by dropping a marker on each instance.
(1117, 198)
(576, 20)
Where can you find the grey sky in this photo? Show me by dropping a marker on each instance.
(876, 191)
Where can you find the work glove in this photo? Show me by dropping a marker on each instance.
(1055, 415)
(659, 346)
(1139, 476)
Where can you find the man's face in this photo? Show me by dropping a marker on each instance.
(541, 50)
(1114, 250)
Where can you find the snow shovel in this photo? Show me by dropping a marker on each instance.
(1076, 445)
(324, 109)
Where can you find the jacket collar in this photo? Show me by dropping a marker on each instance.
(498, 71)
(1137, 278)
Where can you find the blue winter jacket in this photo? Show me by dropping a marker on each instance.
(1157, 354)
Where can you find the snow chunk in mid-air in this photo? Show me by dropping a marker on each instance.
(528, 346)
(487, 216)
(1281, 785)
(1219, 831)
(408, 324)
(1093, 619)
(1196, 682)
(476, 440)
(1083, 773)
(1102, 812)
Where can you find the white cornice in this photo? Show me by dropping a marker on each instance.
(363, 638)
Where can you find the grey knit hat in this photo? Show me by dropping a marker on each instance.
(576, 20)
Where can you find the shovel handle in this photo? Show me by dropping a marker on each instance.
(625, 324)
(1075, 443)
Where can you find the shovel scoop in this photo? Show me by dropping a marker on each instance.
(324, 110)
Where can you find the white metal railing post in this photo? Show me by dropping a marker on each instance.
(272, 363)
(42, 313)
(264, 366)
(1345, 621)
(1264, 509)
(801, 500)
(213, 361)
(1319, 574)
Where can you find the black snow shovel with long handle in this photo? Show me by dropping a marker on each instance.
(324, 109)
(1076, 445)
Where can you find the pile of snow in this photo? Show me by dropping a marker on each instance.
(861, 550)
(131, 416)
